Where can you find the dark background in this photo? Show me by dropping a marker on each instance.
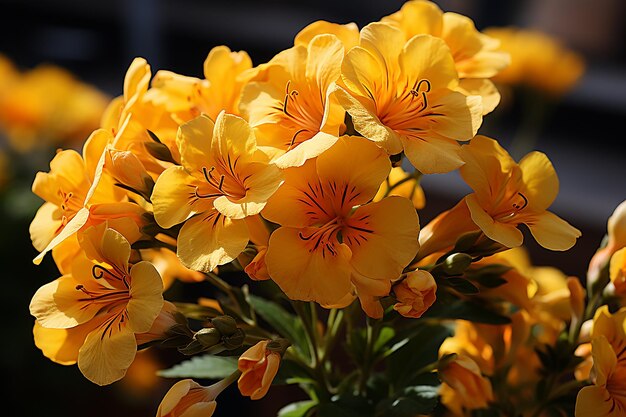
(97, 40)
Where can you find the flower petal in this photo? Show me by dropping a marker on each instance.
(552, 232)
(506, 234)
(540, 181)
(78, 221)
(61, 345)
(146, 298)
(211, 239)
(107, 353)
(194, 140)
(303, 274)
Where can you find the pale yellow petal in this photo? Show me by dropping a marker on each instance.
(348, 33)
(146, 298)
(70, 228)
(324, 57)
(58, 304)
(552, 232)
(506, 234)
(540, 181)
(61, 345)
(194, 140)
(106, 245)
(107, 354)
(417, 17)
(484, 88)
(308, 149)
(174, 197)
(45, 225)
(210, 239)
(594, 401)
(426, 57)
(434, 155)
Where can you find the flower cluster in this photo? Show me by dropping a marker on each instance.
(302, 175)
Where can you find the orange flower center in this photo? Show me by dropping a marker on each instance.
(303, 117)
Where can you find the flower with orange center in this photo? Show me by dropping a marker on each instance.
(258, 366)
(506, 194)
(188, 97)
(404, 96)
(476, 55)
(287, 102)
(79, 194)
(333, 240)
(92, 315)
(223, 179)
(415, 294)
(607, 396)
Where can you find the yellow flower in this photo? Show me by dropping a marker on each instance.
(78, 194)
(616, 233)
(188, 97)
(99, 307)
(401, 95)
(537, 60)
(332, 241)
(288, 104)
(607, 397)
(464, 387)
(223, 179)
(187, 398)
(400, 184)
(415, 294)
(507, 194)
(476, 55)
(258, 366)
(168, 264)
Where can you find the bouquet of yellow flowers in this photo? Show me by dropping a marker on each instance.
(293, 189)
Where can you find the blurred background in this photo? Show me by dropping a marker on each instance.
(580, 129)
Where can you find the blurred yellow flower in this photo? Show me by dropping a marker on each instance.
(402, 95)
(332, 241)
(538, 60)
(46, 106)
(99, 306)
(618, 272)
(287, 102)
(224, 178)
(616, 239)
(348, 34)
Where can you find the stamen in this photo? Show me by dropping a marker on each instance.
(517, 206)
(197, 194)
(293, 139)
(415, 92)
(207, 174)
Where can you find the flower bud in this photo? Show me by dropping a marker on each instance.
(208, 337)
(161, 325)
(258, 366)
(226, 325)
(457, 263)
(128, 170)
(234, 340)
(415, 294)
(190, 399)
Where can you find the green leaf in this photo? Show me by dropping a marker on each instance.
(291, 372)
(285, 323)
(420, 348)
(298, 409)
(420, 399)
(450, 307)
(384, 336)
(206, 367)
(462, 285)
